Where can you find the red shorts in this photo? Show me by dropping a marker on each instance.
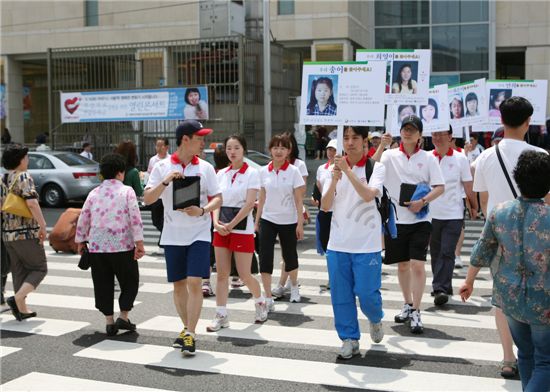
(235, 242)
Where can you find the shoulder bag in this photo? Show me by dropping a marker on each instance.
(14, 204)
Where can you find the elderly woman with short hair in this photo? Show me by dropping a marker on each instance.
(23, 237)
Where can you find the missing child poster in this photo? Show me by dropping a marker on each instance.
(535, 91)
(343, 93)
(434, 114)
(468, 104)
(407, 73)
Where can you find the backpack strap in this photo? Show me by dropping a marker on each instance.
(512, 188)
(369, 168)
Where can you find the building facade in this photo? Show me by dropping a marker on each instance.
(469, 39)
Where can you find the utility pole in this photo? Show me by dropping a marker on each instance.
(267, 75)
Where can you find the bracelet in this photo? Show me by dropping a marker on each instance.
(203, 211)
(165, 184)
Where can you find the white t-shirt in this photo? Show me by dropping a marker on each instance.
(301, 165)
(324, 172)
(153, 161)
(180, 228)
(489, 177)
(422, 167)
(356, 226)
(456, 170)
(234, 185)
(280, 207)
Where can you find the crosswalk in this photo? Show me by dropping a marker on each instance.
(296, 348)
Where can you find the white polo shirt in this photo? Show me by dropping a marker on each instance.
(456, 170)
(324, 173)
(279, 185)
(180, 228)
(421, 167)
(154, 160)
(234, 185)
(301, 165)
(489, 177)
(356, 226)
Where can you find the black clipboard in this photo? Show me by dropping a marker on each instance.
(405, 194)
(186, 192)
(227, 214)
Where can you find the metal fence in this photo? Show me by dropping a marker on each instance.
(230, 67)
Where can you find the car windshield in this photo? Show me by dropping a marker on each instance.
(71, 159)
(259, 158)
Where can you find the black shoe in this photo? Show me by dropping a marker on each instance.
(125, 325)
(111, 329)
(27, 315)
(441, 298)
(14, 309)
(188, 348)
(178, 343)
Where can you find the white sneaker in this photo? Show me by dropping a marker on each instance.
(295, 294)
(458, 262)
(416, 322)
(404, 315)
(350, 348)
(288, 285)
(270, 304)
(218, 323)
(278, 292)
(159, 251)
(376, 332)
(261, 312)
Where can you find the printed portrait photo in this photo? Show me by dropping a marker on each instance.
(322, 95)
(456, 106)
(405, 75)
(496, 97)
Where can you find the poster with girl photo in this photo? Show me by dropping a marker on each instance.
(408, 73)
(196, 103)
(473, 109)
(322, 93)
(435, 115)
(396, 115)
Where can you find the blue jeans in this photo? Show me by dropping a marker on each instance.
(533, 341)
(351, 275)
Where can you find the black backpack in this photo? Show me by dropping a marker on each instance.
(384, 203)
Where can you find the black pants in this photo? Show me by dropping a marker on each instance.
(105, 266)
(445, 235)
(287, 237)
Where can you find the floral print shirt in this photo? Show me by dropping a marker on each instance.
(520, 230)
(14, 227)
(110, 220)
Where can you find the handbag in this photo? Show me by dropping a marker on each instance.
(16, 205)
(84, 262)
(227, 214)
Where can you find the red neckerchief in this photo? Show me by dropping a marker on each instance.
(371, 152)
(242, 170)
(327, 165)
(361, 162)
(175, 159)
(283, 168)
(402, 149)
(449, 153)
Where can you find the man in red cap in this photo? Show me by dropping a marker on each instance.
(186, 233)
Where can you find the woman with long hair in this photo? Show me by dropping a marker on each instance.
(131, 176)
(321, 100)
(404, 84)
(471, 105)
(429, 112)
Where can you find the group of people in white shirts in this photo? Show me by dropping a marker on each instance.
(430, 215)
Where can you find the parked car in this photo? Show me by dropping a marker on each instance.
(61, 175)
(254, 159)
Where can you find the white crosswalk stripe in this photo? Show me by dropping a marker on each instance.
(303, 330)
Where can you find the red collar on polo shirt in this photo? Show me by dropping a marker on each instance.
(458, 149)
(283, 168)
(402, 149)
(242, 170)
(327, 164)
(449, 153)
(361, 162)
(175, 159)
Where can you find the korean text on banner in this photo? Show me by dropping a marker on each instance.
(343, 93)
(407, 76)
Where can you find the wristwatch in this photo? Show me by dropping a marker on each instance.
(425, 202)
(165, 183)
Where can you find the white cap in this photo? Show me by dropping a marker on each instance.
(375, 134)
(332, 144)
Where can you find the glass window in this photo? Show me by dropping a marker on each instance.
(285, 7)
(468, 77)
(445, 48)
(403, 38)
(91, 12)
(72, 159)
(329, 52)
(474, 47)
(450, 79)
(39, 162)
(394, 13)
(511, 65)
(459, 11)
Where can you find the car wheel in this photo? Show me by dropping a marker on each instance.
(53, 196)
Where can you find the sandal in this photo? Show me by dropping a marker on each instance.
(509, 373)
